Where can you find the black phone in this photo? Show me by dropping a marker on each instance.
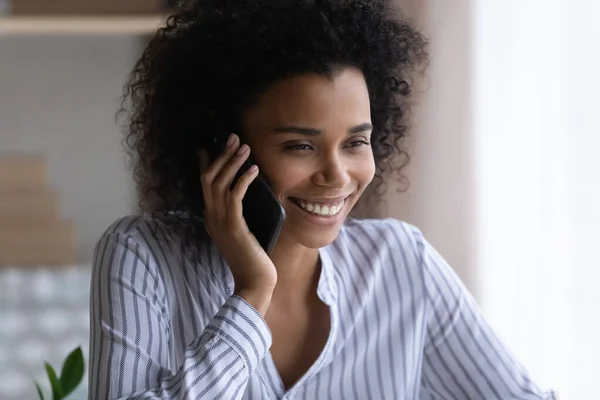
(262, 211)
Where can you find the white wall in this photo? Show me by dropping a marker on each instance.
(583, 188)
(58, 97)
(538, 139)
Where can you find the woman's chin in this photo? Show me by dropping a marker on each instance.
(315, 239)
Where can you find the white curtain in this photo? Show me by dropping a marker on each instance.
(536, 111)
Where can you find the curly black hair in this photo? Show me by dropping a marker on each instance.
(213, 58)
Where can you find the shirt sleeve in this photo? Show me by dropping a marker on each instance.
(130, 329)
(463, 358)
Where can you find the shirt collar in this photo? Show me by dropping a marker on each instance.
(327, 286)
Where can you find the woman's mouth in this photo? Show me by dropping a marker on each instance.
(322, 209)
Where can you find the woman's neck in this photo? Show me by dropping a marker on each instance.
(298, 271)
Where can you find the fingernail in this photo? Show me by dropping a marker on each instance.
(243, 149)
(231, 139)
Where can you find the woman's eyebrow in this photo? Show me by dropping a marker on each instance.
(367, 126)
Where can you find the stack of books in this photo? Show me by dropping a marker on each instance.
(31, 230)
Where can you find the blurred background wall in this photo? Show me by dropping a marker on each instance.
(440, 198)
(58, 97)
(61, 77)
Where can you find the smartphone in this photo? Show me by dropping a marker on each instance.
(262, 211)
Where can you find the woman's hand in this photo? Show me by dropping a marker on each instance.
(253, 271)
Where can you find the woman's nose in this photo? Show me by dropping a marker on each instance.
(333, 173)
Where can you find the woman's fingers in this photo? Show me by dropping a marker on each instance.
(210, 173)
(223, 204)
(223, 182)
(237, 194)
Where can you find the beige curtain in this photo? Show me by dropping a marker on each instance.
(440, 198)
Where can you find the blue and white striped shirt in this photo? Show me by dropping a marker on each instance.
(165, 325)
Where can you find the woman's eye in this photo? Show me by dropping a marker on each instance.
(358, 143)
(299, 147)
(307, 147)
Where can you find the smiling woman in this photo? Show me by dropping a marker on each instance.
(311, 136)
(185, 301)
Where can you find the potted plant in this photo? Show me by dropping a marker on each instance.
(70, 377)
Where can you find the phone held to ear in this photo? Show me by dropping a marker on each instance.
(262, 211)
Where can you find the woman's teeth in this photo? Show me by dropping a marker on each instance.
(325, 210)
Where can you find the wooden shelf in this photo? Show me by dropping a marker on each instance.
(80, 25)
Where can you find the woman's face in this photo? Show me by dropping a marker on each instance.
(310, 136)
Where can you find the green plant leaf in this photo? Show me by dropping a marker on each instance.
(54, 383)
(39, 390)
(72, 371)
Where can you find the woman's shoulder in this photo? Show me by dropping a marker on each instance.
(156, 225)
(383, 232)
(160, 242)
(387, 240)
(385, 251)
(151, 230)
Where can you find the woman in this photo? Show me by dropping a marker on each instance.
(187, 305)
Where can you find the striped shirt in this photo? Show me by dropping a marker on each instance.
(166, 325)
